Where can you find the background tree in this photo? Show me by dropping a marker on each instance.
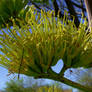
(18, 86)
(74, 8)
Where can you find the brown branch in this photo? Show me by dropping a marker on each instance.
(35, 5)
(20, 64)
(57, 9)
(83, 11)
(72, 12)
(81, 7)
(88, 4)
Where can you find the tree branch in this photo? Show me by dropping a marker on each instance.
(35, 5)
(21, 64)
(57, 9)
(72, 12)
(64, 80)
(81, 7)
(88, 4)
(63, 70)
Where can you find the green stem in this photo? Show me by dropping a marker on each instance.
(64, 80)
(63, 70)
(75, 85)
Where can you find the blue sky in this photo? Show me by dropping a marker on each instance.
(3, 77)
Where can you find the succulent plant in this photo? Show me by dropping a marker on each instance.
(42, 41)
